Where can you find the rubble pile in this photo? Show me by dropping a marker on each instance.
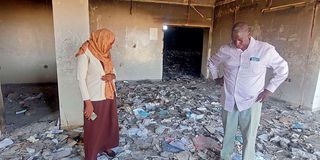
(180, 63)
(174, 119)
(27, 103)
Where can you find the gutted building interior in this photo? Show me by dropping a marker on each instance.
(182, 51)
(28, 66)
(161, 57)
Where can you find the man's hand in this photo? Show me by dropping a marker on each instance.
(263, 96)
(108, 77)
(88, 110)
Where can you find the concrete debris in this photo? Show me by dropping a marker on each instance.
(50, 135)
(151, 106)
(118, 150)
(55, 130)
(62, 137)
(47, 154)
(102, 157)
(141, 132)
(297, 125)
(317, 153)
(202, 142)
(55, 141)
(202, 109)
(194, 116)
(30, 150)
(162, 129)
(31, 98)
(6, 142)
(140, 113)
(210, 129)
(72, 143)
(183, 155)
(220, 130)
(302, 154)
(33, 139)
(12, 97)
(61, 153)
(236, 156)
(285, 120)
(259, 156)
(177, 118)
(166, 154)
(282, 141)
(167, 147)
(263, 138)
(34, 156)
(22, 111)
(176, 146)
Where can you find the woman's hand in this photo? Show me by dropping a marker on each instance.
(108, 77)
(88, 110)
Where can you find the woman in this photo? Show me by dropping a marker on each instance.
(96, 80)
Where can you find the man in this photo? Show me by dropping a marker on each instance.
(245, 61)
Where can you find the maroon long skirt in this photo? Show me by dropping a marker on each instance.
(101, 134)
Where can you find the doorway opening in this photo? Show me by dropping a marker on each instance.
(183, 48)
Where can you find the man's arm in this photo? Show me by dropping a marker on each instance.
(214, 62)
(280, 70)
(280, 73)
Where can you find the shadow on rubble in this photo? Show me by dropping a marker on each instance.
(29, 103)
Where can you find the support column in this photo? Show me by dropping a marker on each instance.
(71, 28)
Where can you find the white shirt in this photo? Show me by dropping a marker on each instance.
(89, 73)
(244, 72)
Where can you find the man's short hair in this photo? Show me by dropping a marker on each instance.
(240, 27)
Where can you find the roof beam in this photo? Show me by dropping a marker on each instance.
(199, 3)
(223, 2)
(283, 7)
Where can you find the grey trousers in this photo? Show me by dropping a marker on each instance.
(248, 121)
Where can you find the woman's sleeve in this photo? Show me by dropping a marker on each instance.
(82, 69)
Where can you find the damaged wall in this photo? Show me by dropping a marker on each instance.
(289, 31)
(27, 42)
(137, 53)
